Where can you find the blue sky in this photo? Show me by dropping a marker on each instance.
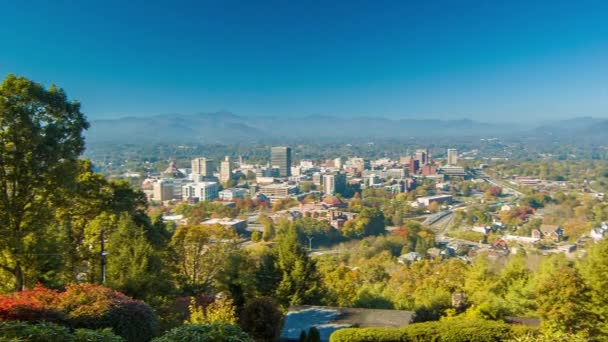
(485, 60)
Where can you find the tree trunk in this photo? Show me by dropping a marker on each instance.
(19, 278)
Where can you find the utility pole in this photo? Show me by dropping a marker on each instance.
(103, 256)
(310, 242)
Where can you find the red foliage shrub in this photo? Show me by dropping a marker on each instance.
(83, 306)
(37, 304)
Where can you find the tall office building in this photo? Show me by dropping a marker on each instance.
(280, 157)
(452, 156)
(334, 183)
(202, 167)
(225, 170)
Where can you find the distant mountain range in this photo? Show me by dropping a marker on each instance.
(225, 127)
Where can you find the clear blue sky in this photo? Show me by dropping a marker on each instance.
(486, 60)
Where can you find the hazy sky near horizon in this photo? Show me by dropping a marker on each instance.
(486, 60)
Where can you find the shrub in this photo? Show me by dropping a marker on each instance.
(102, 335)
(51, 332)
(368, 335)
(217, 332)
(456, 330)
(83, 306)
(31, 305)
(262, 319)
(451, 330)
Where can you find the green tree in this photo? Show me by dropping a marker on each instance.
(562, 297)
(594, 270)
(237, 278)
(134, 268)
(40, 141)
(262, 319)
(370, 221)
(300, 279)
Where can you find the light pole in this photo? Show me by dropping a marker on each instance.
(103, 256)
(310, 242)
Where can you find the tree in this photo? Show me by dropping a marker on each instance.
(562, 297)
(237, 277)
(370, 221)
(201, 252)
(300, 279)
(262, 319)
(40, 141)
(269, 229)
(134, 268)
(594, 270)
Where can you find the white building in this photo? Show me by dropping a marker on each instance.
(427, 200)
(232, 194)
(204, 191)
(452, 156)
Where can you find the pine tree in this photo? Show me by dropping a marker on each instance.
(300, 280)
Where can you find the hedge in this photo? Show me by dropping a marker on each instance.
(452, 330)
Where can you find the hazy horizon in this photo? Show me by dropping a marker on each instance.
(488, 62)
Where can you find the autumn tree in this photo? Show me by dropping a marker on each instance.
(201, 252)
(40, 141)
(562, 297)
(594, 270)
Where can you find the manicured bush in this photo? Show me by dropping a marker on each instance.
(457, 330)
(451, 330)
(51, 332)
(369, 335)
(205, 333)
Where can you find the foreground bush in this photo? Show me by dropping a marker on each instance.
(205, 333)
(35, 305)
(83, 306)
(262, 319)
(369, 335)
(451, 330)
(51, 332)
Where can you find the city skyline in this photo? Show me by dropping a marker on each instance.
(448, 60)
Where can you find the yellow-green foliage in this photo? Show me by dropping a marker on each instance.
(222, 310)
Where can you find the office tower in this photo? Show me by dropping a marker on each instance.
(225, 170)
(202, 167)
(334, 183)
(338, 163)
(280, 157)
(452, 156)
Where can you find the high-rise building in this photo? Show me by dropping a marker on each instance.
(334, 183)
(452, 156)
(280, 157)
(225, 170)
(338, 163)
(422, 156)
(202, 167)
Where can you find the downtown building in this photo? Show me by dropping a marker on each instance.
(280, 158)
